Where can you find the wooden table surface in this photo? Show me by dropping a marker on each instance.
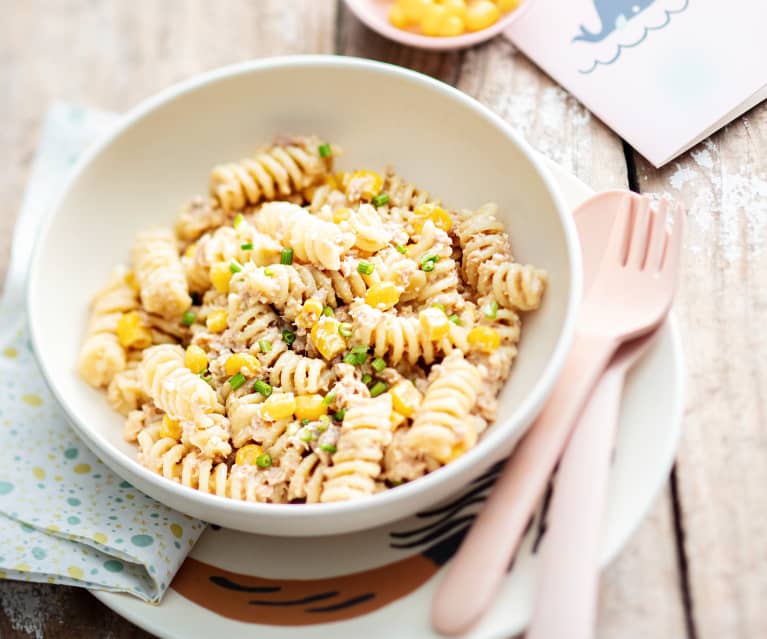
(697, 567)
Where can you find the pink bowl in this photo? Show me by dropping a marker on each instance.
(374, 14)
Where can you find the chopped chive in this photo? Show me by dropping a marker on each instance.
(238, 219)
(264, 460)
(339, 415)
(188, 318)
(324, 423)
(207, 378)
(306, 435)
(288, 337)
(304, 422)
(265, 346)
(367, 378)
(328, 312)
(235, 266)
(428, 262)
(402, 248)
(366, 268)
(345, 329)
(262, 387)
(490, 309)
(268, 271)
(379, 364)
(325, 151)
(381, 199)
(248, 246)
(378, 388)
(328, 399)
(235, 381)
(286, 256)
(328, 448)
(441, 307)
(455, 319)
(357, 356)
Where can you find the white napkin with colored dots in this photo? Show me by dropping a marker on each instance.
(64, 516)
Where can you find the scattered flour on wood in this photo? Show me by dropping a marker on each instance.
(26, 605)
(730, 203)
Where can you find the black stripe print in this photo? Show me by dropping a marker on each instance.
(435, 534)
(294, 602)
(439, 522)
(223, 582)
(343, 604)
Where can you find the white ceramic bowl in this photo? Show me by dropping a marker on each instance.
(161, 155)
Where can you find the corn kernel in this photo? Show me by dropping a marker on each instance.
(310, 313)
(507, 5)
(396, 420)
(278, 406)
(220, 275)
(342, 214)
(406, 398)
(170, 428)
(191, 250)
(130, 280)
(326, 338)
(481, 15)
(310, 407)
(415, 9)
(239, 361)
(216, 321)
(455, 8)
(398, 17)
(247, 455)
(484, 338)
(436, 214)
(450, 27)
(432, 19)
(382, 296)
(131, 331)
(367, 183)
(342, 180)
(331, 181)
(195, 359)
(435, 323)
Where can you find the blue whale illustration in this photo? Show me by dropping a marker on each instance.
(612, 14)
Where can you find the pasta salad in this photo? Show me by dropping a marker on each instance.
(302, 335)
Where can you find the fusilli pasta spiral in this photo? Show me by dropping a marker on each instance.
(274, 172)
(365, 432)
(313, 240)
(160, 277)
(403, 338)
(173, 387)
(101, 355)
(443, 427)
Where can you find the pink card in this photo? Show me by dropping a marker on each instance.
(663, 74)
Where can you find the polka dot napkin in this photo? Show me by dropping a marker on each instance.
(64, 516)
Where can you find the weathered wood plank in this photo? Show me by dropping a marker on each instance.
(111, 55)
(721, 304)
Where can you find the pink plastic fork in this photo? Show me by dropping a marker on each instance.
(629, 297)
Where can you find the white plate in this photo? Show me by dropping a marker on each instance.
(366, 584)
